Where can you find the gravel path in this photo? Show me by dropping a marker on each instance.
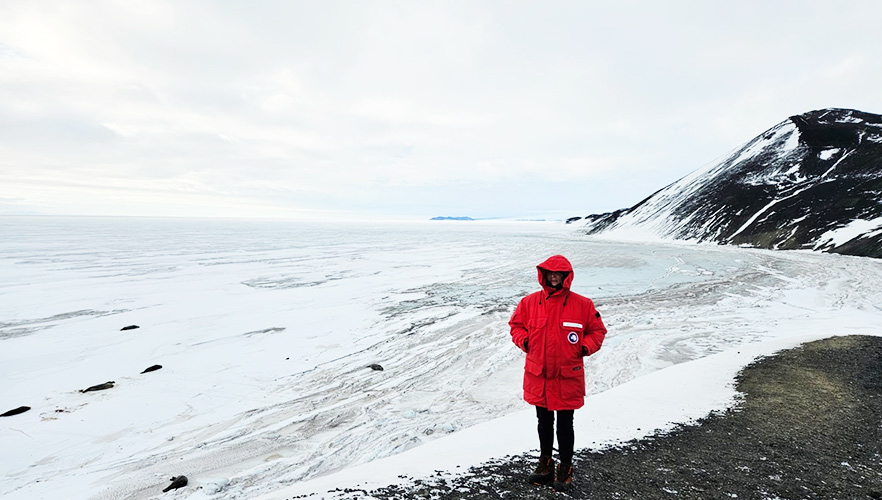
(808, 427)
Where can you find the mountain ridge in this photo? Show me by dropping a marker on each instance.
(813, 181)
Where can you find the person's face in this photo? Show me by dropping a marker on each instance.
(554, 278)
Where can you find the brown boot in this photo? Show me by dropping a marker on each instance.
(564, 478)
(544, 473)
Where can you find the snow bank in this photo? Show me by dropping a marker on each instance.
(848, 232)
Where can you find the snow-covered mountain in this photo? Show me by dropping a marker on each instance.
(814, 181)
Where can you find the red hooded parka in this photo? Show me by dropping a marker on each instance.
(557, 325)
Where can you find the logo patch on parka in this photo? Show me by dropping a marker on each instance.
(573, 337)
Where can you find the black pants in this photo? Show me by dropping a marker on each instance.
(566, 438)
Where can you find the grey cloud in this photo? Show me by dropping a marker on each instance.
(389, 105)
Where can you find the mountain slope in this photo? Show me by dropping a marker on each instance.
(812, 181)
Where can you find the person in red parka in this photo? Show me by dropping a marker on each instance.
(556, 328)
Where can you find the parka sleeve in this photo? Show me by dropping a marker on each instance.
(518, 326)
(595, 331)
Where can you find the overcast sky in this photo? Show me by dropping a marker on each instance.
(403, 108)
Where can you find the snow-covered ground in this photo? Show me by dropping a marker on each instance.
(265, 331)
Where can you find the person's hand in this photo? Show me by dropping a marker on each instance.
(526, 349)
(585, 351)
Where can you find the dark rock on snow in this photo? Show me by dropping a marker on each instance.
(130, 327)
(16, 411)
(375, 367)
(99, 387)
(791, 187)
(176, 482)
(152, 368)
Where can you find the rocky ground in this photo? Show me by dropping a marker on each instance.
(808, 427)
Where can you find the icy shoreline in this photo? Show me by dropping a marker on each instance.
(804, 426)
(655, 403)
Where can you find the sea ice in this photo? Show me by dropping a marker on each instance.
(266, 332)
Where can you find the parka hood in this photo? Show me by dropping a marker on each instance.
(555, 263)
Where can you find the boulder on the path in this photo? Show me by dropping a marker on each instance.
(152, 368)
(99, 387)
(130, 327)
(16, 411)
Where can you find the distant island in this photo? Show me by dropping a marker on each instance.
(451, 218)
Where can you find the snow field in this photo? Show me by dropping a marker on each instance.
(265, 334)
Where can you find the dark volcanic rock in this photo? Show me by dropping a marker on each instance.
(176, 482)
(152, 368)
(813, 181)
(99, 387)
(16, 411)
(130, 327)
